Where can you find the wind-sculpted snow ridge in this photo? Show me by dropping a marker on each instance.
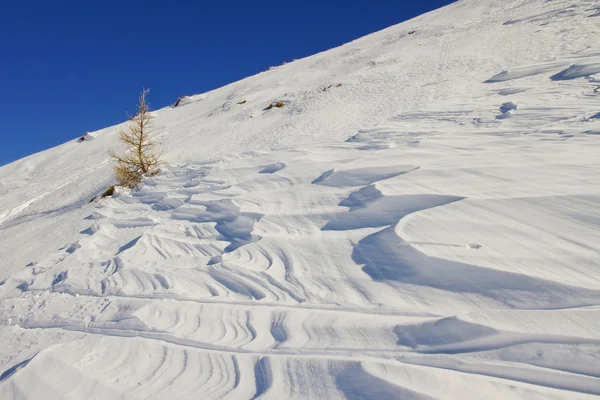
(450, 251)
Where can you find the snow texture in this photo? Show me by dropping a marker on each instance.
(428, 229)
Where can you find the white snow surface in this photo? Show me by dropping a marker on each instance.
(428, 229)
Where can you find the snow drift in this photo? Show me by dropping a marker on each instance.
(427, 229)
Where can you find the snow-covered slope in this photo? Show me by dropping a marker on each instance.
(420, 220)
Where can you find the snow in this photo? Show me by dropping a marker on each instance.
(578, 71)
(390, 237)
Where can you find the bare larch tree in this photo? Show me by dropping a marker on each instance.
(141, 157)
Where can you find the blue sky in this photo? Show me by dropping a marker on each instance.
(69, 66)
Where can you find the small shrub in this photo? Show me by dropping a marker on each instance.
(107, 193)
(279, 104)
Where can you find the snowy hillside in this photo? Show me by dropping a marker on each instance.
(420, 220)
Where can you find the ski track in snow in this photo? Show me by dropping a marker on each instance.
(451, 251)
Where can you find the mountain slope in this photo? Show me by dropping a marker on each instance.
(418, 221)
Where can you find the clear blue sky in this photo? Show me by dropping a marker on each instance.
(74, 66)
